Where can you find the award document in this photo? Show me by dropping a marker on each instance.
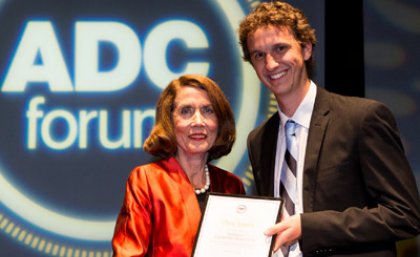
(234, 225)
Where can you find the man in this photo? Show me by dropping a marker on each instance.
(352, 191)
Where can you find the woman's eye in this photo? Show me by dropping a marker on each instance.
(186, 110)
(207, 110)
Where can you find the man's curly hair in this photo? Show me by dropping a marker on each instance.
(280, 14)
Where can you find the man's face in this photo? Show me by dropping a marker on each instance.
(279, 60)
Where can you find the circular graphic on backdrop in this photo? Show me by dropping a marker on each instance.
(78, 105)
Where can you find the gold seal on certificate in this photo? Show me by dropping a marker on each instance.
(234, 225)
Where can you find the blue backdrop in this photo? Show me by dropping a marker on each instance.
(78, 85)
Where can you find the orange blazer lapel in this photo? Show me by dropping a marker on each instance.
(191, 208)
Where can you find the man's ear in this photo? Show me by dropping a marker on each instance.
(307, 50)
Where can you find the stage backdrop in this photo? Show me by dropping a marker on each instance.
(79, 83)
(392, 66)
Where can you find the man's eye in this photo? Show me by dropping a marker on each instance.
(279, 49)
(258, 56)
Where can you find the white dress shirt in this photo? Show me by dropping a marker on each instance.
(302, 117)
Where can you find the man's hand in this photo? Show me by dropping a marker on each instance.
(288, 231)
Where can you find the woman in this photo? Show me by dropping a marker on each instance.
(161, 210)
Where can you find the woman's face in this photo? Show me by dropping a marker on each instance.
(195, 122)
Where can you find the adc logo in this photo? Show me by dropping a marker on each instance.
(78, 88)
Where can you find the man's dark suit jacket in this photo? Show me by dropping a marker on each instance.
(359, 193)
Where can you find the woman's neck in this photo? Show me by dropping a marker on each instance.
(194, 169)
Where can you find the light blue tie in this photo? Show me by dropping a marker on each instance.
(288, 182)
(288, 187)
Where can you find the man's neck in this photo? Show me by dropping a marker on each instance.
(289, 104)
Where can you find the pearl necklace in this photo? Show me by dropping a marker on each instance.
(207, 185)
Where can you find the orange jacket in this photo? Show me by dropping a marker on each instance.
(160, 214)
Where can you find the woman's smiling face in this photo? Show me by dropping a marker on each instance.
(195, 122)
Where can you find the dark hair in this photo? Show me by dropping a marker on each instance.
(278, 14)
(162, 141)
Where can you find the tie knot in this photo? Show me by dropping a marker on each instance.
(290, 128)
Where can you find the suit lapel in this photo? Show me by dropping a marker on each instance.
(317, 129)
(269, 140)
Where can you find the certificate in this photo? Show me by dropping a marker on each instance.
(234, 225)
